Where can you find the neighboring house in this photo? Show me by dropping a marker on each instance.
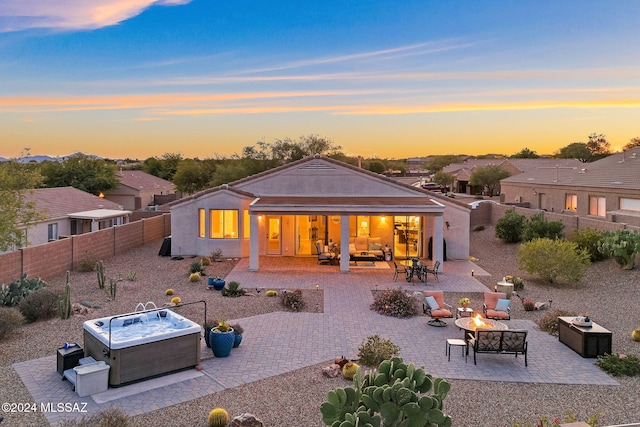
(462, 171)
(138, 190)
(68, 211)
(607, 189)
(287, 210)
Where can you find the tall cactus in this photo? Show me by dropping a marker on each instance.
(395, 395)
(100, 272)
(113, 287)
(64, 303)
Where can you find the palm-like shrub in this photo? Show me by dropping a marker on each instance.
(553, 259)
(232, 289)
(509, 227)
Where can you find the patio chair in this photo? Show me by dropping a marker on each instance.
(496, 306)
(434, 271)
(323, 254)
(397, 270)
(435, 307)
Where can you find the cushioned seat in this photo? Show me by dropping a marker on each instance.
(496, 306)
(372, 245)
(435, 307)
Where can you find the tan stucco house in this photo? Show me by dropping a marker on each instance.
(138, 189)
(287, 210)
(607, 189)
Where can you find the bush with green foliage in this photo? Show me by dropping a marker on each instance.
(395, 395)
(39, 305)
(292, 300)
(619, 365)
(111, 417)
(588, 239)
(232, 289)
(536, 227)
(10, 319)
(621, 245)
(549, 322)
(553, 259)
(509, 227)
(12, 294)
(375, 349)
(395, 303)
(196, 267)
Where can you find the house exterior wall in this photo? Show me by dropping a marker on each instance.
(458, 231)
(55, 258)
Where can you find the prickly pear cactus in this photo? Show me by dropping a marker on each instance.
(394, 395)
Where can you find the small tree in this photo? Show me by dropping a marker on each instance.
(444, 179)
(488, 177)
(509, 227)
(553, 259)
(536, 226)
(622, 245)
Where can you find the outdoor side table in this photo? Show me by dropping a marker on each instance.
(456, 343)
(464, 312)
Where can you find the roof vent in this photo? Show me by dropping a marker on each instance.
(224, 186)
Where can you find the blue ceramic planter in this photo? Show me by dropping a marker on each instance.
(237, 340)
(216, 284)
(221, 342)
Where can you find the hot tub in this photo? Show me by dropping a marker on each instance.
(143, 344)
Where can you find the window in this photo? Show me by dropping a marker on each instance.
(597, 206)
(571, 202)
(224, 224)
(630, 204)
(201, 222)
(53, 232)
(246, 225)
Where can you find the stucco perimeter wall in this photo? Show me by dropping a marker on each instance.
(571, 222)
(55, 258)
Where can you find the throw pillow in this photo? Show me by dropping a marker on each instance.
(352, 248)
(432, 303)
(502, 305)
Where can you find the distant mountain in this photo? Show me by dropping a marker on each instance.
(38, 159)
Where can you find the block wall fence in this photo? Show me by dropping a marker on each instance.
(55, 258)
(489, 213)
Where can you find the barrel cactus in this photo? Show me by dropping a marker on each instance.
(271, 293)
(194, 277)
(635, 335)
(349, 370)
(218, 417)
(176, 300)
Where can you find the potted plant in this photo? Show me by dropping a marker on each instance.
(221, 338)
(208, 325)
(464, 302)
(237, 330)
(216, 283)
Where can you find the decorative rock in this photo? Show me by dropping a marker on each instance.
(332, 370)
(246, 420)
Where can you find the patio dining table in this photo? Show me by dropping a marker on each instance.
(415, 268)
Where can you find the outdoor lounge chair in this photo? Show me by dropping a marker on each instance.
(434, 271)
(496, 306)
(435, 307)
(323, 254)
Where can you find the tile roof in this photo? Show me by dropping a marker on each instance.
(61, 201)
(142, 181)
(617, 171)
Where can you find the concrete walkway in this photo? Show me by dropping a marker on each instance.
(278, 342)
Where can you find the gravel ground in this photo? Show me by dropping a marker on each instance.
(293, 399)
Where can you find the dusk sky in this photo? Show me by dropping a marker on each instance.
(396, 79)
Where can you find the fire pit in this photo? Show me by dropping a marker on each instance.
(470, 324)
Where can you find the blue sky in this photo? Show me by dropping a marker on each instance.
(140, 78)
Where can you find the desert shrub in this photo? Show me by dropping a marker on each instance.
(14, 292)
(292, 300)
(88, 263)
(39, 305)
(395, 303)
(549, 322)
(619, 365)
(553, 259)
(375, 349)
(196, 267)
(529, 305)
(537, 227)
(588, 239)
(111, 417)
(509, 227)
(232, 289)
(621, 245)
(10, 319)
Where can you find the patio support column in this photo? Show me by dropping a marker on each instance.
(344, 243)
(254, 232)
(438, 223)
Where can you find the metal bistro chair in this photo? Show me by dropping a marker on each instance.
(434, 271)
(397, 270)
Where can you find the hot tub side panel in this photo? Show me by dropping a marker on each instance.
(146, 360)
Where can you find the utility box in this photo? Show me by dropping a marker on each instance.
(69, 357)
(92, 378)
